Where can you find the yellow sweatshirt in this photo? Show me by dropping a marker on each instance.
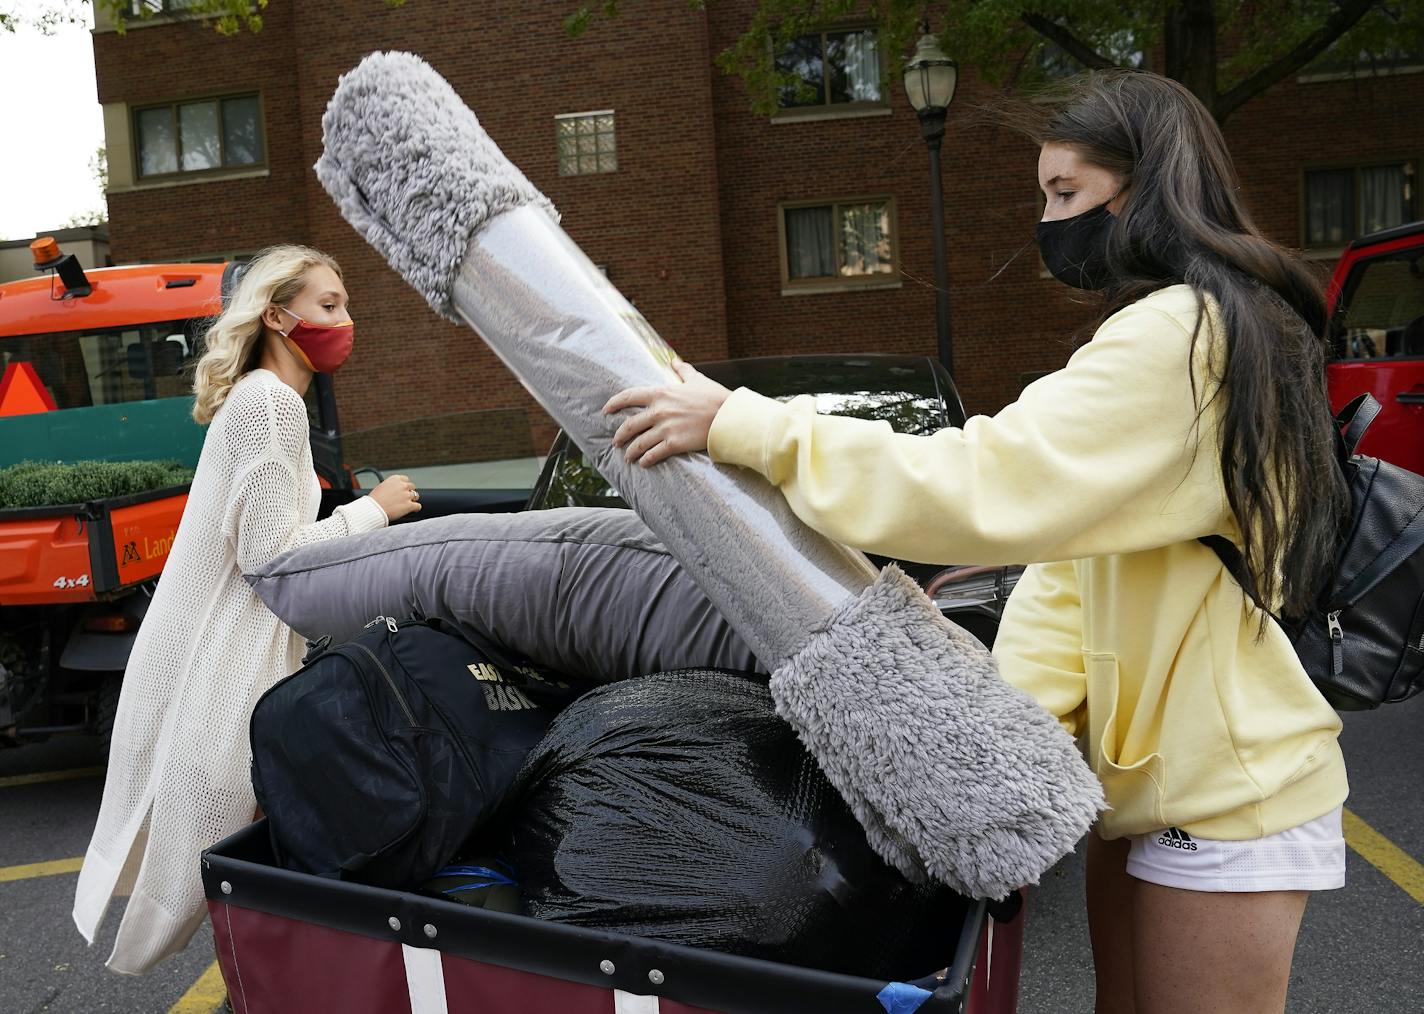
(1101, 476)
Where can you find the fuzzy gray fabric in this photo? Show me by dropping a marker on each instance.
(413, 171)
(953, 773)
(587, 591)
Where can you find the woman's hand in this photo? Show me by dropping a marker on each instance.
(674, 419)
(397, 497)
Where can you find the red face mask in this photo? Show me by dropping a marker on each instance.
(322, 348)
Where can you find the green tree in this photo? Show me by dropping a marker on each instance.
(98, 215)
(227, 17)
(1226, 53)
(46, 17)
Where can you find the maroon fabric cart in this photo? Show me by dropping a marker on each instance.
(289, 943)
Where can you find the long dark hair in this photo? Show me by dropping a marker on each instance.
(1183, 221)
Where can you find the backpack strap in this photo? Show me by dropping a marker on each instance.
(1231, 559)
(1356, 418)
(1229, 555)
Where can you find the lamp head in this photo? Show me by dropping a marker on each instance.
(930, 77)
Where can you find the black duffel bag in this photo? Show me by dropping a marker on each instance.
(380, 756)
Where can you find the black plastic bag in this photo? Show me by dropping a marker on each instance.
(679, 807)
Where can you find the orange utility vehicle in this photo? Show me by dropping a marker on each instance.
(95, 366)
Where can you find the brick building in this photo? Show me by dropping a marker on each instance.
(666, 178)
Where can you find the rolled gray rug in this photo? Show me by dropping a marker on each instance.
(953, 773)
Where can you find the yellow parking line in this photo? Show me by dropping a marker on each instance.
(1385, 856)
(49, 869)
(204, 995)
(49, 776)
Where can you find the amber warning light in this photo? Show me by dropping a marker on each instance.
(48, 257)
(46, 252)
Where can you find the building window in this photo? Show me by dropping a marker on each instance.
(1345, 203)
(190, 137)
(587, 144)
(846, 242)
(151, 8)
(1381, 44)
(832, 69)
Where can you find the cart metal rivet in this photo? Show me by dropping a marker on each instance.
(430, 931)
(656, 977)
(607, 967)
(226, 887)
(394, 923)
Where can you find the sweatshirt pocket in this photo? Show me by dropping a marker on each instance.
(1133, 785)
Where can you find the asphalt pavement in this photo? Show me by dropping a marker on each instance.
(1361, 949)
(45, 965)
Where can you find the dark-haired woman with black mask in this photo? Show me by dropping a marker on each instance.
(1197, 409)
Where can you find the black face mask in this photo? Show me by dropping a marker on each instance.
(1075, 249)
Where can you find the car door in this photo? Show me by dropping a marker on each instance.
(1378, 336)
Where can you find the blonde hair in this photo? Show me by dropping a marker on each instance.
(233, 344)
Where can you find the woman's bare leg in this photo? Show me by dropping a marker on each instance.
(1110, 924)
(1198, 952)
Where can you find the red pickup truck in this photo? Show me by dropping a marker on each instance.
(1376, 302)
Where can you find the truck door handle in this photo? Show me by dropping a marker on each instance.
(1410, 398)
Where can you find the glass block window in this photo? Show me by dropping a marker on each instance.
(843, 241)
(832, 69)
(1346, 203)
(586, 143)
(189, 137)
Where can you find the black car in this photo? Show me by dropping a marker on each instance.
(914, 394)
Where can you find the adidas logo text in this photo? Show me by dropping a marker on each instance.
(1174, 838)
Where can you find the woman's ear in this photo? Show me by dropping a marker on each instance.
(1120, 201)
(272, 318)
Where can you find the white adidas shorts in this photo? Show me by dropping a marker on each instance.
(1310, 857)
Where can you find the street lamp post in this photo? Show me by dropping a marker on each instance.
(930, 77)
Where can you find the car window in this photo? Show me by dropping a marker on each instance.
(905, 393)
(905, 396)
(574, 482)
(1382, 308)
(141, 362)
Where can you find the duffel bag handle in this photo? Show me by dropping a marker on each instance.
(1356, 417)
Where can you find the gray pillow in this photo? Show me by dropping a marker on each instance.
(587, 591)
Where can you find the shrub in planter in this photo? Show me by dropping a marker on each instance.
(42, 483)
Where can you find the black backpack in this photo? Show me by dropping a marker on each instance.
(377, 759)
(1364, 644)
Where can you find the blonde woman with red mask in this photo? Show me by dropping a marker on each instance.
(178, 776)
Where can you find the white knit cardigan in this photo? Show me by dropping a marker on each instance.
(178, 778)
